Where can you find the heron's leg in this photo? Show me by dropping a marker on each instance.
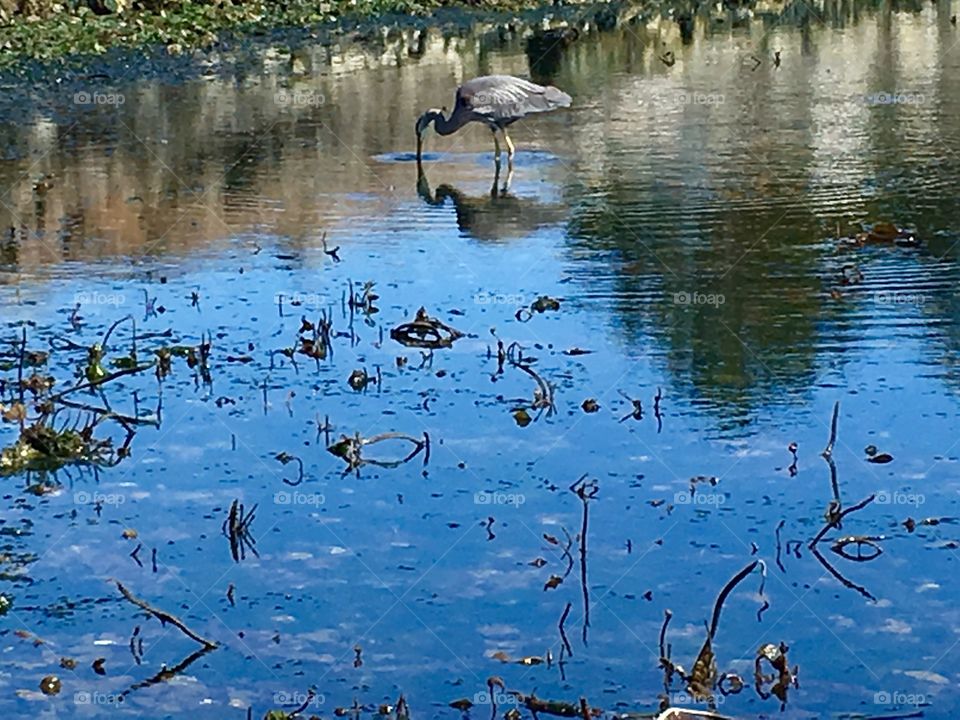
(496, 145)
(510, 149)
(506, 183)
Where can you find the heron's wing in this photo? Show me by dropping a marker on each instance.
(504, 97)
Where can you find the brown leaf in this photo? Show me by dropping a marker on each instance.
(50, 685)
(703, 677)
(590, 405)
(553, 582)
(522, 417)
(16, 412)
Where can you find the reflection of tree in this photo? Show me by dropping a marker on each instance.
(732, 314)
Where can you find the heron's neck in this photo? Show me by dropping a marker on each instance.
(443, 125)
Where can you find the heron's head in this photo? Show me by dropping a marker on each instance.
(423, 122)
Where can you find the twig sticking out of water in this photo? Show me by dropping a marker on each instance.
(285, 458)
(109, 332)
(164, 617)
(637, 412)
(237, 529)
(835, 520)
(563, 634)
(543, 395)
(828, 450)
(656, 410)
(727, 589)
(22, 356)
(566, 553)
(777, 533)
(103, 381)
(585, 490)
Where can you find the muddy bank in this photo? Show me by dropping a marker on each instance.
(137, 42)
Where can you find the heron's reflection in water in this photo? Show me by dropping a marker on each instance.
(497, 215)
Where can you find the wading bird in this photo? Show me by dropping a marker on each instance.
(496, 101)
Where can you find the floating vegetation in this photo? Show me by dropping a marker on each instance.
(425, 332)
(883, 233)
(703, 680)
(542, 304)
(350, 449)
(876, 457)
(50, 685)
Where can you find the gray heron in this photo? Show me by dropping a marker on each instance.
(496, 101)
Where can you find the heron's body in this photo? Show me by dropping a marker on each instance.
(497, 101)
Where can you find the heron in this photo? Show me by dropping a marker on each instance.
(496, 101)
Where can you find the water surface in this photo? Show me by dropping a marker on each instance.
(687, 218)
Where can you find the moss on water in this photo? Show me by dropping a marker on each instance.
(62, 32)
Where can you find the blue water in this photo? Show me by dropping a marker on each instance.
(697, 258)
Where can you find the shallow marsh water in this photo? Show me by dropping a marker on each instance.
(685, 216)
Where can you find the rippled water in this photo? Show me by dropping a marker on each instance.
(687, 218)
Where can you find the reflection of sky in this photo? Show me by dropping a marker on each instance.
(338, 567)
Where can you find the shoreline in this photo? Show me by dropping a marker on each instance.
(67, 41)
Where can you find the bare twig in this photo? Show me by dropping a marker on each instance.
(727, 589)
(834, 522)
(563, 634)
(828, 450)
(164, 617)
